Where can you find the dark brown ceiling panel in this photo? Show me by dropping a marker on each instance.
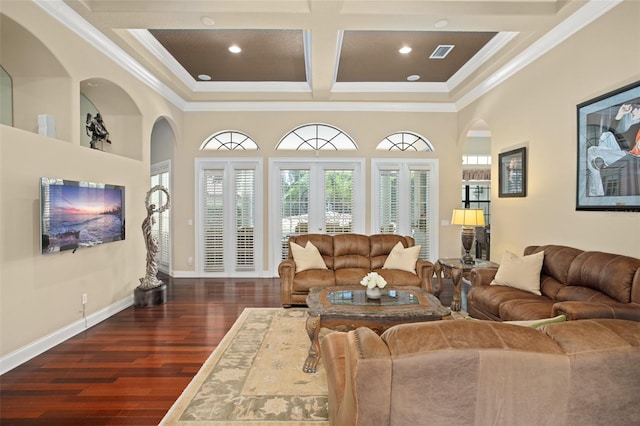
(372, 56)
(267, 55)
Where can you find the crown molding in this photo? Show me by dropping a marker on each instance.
(319, 106)
(591, 11)
(59, 10)
(574, 23)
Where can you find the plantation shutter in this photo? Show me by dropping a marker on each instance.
(245, 214)
(294, 206)
(213, 219)
(388, 207)
(420, 211)
(160, 230)
(338, 201)
(405, 197)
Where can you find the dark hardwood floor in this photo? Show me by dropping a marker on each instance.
(129, 369)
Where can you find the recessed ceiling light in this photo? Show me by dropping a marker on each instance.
(207, 21)
(204, 77)
(92, 84)
(441, 23)
(234, 49)
(404, 50)
(413, 77)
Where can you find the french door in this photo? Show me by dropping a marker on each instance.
(229, 217)
(405, 201)
(314, 197)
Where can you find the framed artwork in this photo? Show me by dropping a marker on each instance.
(512, 173)
(609, 151)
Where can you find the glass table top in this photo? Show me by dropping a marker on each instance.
(392, 297)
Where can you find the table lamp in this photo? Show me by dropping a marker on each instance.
(468, 218)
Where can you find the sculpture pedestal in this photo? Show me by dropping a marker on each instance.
(148, 298)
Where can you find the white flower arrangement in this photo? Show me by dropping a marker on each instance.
(373, 279)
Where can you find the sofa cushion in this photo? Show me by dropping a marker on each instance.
(350, 276)
(395, 277)
(526, 309)
(599, 271)
(403, 259)
(520, 272)
(557, 259)
(307, 257)
(306, 280)
(582, 294)
(351, 251)
(489, 298)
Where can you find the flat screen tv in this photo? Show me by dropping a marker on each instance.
(79, 214)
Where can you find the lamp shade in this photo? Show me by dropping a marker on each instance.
(468, 217)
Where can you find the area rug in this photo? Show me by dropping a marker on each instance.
(254, 377)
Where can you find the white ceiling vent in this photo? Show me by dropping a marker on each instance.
(441, 51)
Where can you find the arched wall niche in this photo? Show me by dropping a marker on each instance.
(476, 174)
(41, 84)
(6, 98)
(121, 116)
(476, 142)
(163, 141)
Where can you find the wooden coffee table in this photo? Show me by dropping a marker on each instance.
(347, 308)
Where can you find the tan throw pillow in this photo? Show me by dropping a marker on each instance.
(520, 272)
(307, 257)
(402, 258)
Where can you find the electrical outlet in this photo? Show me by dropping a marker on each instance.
(190, 261)
(85, 298)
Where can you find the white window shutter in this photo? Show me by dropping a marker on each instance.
(245, 214)
(388, 207)
(213, 217)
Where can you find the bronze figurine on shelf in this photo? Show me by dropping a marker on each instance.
(96, 129)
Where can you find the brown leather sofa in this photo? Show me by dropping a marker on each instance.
(485, 373)
(349, 257)
(579, 284)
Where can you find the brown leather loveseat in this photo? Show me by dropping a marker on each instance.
(348, 258)
(485, 373)
(579, 284)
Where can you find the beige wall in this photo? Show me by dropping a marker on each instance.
(41, 294)
(537, 108)
(267, 128)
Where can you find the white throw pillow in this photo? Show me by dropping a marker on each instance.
(520, 272)
(402, 258)
(307, 257)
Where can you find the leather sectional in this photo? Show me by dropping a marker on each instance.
(467, 372)
(579, 284)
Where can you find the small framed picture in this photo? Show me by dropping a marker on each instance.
(609, 151)
(512, 175)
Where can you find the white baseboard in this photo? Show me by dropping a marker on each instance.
(193, 274)
(183, 274)
(25, 353)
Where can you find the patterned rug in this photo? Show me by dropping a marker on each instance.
(254, 377)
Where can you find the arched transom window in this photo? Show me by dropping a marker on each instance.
(229, 140)
(317, 137)
(404, 141)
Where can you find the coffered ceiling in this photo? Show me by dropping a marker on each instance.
(325, 52)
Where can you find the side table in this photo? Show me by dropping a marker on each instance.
(454, 268)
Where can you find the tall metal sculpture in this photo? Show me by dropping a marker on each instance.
(150, 281)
